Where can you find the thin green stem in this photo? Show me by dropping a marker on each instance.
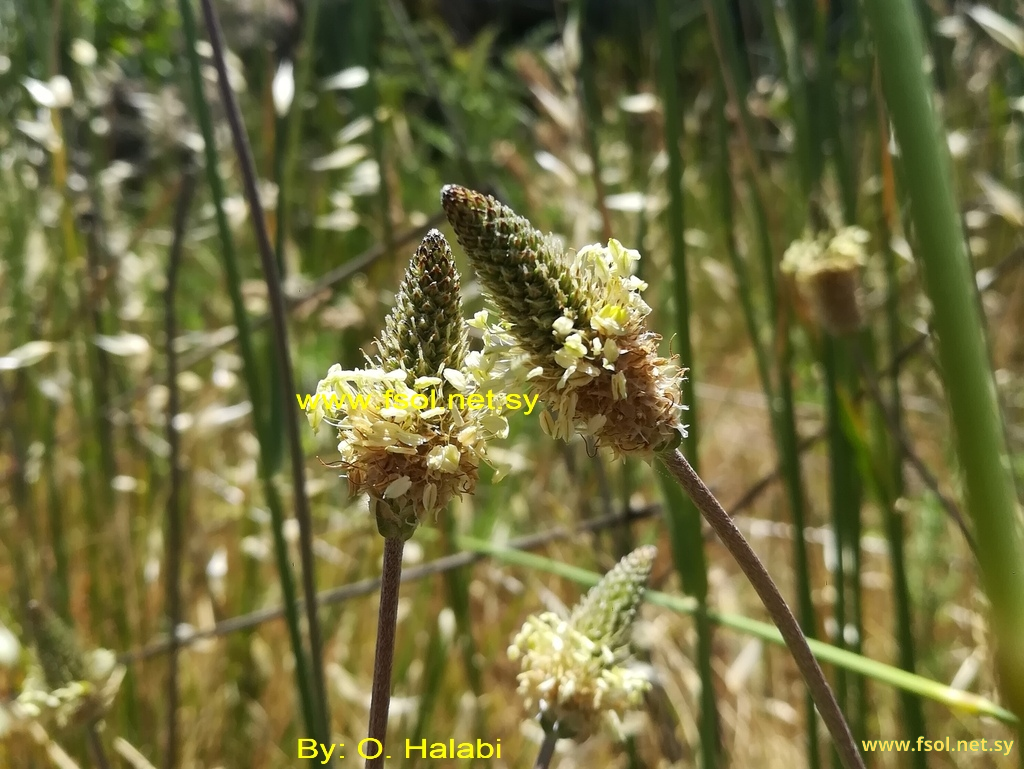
(913, 712)
(174, 544)
(278, 320)
(780, 399)
(684, 518)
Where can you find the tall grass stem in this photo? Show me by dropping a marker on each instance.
(962, 347)
(278, 320)
(683, 517)
(233, 282)
(174, 545)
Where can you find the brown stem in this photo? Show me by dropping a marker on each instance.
(96, 749)
(380, 696)
(773, 601)
(547, 748)
(175, 530)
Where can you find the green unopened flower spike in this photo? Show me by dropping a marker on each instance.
(74, 685)
(59, 654)
(576, 672)
(400, 443)
(425, 333)
(607, 612)
(574, 326)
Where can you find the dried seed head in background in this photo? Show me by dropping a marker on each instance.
(575, 326)
(576, 672)
(828, 273)
(399, 442)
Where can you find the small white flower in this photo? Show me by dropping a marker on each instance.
(619, 386)
(611, 319)
(426, 381)
(429, 496)
(397, 487)
(563, 326)
(456, 379)
(444, 459)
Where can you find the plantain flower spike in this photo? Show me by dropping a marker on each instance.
(576, 672)
(574, 328)
(828, 273)
(400, 442)
(70, 685)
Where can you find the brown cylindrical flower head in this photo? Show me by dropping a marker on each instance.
(828, 273)
(403, 441)
(578, 326)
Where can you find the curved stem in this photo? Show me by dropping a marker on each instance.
(773, 601)
(380, 696)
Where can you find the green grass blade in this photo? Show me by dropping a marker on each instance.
(683, 518)
(962, 348)
(251, 369)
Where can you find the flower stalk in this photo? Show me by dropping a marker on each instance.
(562, 315)
(773, 601)
(384, 655)
(409, 459)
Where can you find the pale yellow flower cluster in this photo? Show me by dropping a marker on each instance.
(570, 679)
(74, 702)
(409, 461)
(598, 364)
(845, 249)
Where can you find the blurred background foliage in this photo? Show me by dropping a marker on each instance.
(833, 453)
